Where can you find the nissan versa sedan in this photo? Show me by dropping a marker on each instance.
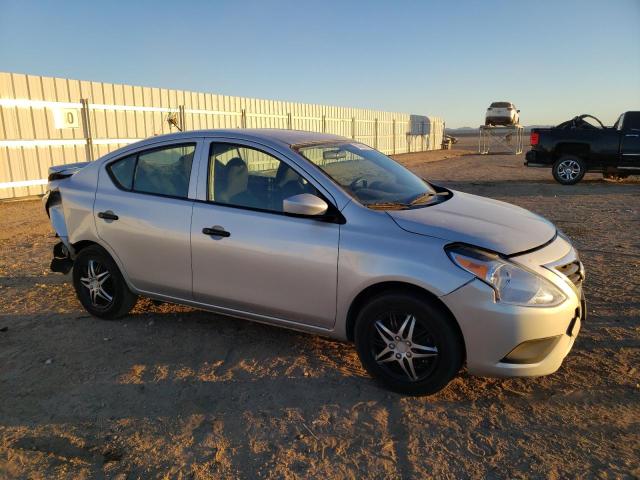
(323, 234)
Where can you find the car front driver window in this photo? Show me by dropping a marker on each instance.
(246, 177)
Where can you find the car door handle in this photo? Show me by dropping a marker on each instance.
(107, 215)
(216, 231)
(631, 135)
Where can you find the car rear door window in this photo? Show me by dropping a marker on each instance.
(161, 171)
(164, 171)
(246, 177)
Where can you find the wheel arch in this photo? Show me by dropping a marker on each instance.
(82, 244)
(396, 287)
(576, 149)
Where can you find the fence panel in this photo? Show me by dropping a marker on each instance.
(47, 121)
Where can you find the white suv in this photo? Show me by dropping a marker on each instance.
(502, 113)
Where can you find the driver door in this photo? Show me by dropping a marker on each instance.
(250, 257)
(630, 141)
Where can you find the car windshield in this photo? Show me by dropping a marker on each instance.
(374, 179)
(500, 105)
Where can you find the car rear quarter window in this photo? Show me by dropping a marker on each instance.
(122, 172)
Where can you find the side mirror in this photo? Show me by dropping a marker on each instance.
(518, 111)
(305, 204)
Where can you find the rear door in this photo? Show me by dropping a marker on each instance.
(143, 215)
(262, 261)
(630, 141)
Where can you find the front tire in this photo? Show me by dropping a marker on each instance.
(100, 286)
(569, 169)
(408, 343)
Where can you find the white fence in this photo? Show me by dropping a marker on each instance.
(47, 121)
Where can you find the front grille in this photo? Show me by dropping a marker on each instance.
(573, 271)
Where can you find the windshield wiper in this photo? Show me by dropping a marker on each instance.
(427, 195)
(401, 205)
(388, 205)
(422, 196)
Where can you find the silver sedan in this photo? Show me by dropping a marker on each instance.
(324, 234)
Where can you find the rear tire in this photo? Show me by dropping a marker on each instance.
(408, 343)
(569, 169)
(99, 284)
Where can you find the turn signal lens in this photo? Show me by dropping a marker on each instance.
(478, 269)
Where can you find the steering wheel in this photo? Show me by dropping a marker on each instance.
(353, 186)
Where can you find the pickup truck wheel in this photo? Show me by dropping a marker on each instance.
(408, 343)
(569, 170)
(99, 284)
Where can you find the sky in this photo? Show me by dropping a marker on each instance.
(553, 59)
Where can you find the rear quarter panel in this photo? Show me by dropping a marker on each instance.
(78, 194)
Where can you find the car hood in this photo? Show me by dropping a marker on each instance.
(480, 221)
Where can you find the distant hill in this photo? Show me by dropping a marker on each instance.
(471, 130)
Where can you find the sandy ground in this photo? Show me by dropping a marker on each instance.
(171, 392)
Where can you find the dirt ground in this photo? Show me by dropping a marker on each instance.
(172, 392)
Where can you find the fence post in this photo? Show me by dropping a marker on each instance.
(324, 123)
(86, 128)
(375, 130)
(394, 136)
(289, 121)
(243, 118)
(181, 117)
(353, 128)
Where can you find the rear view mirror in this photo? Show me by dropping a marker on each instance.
(334, 154)
(305, 204)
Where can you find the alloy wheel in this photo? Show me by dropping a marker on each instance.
(404, 347)
(97, 281)
(568, 170)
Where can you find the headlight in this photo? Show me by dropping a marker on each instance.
(512, 283)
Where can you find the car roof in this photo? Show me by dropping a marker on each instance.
(265, 135)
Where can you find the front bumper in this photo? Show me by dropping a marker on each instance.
(493, 330)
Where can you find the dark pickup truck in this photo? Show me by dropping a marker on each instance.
(583, 144)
